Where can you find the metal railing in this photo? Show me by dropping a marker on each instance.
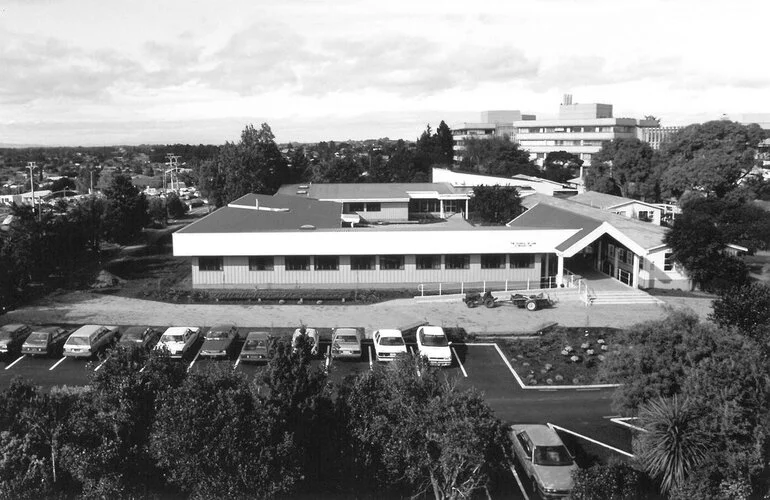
(461, 287)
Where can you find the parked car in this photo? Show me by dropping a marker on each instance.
(45, 341)
(12, 337)
(259, 347)
(219, 341)
(140, 336)
(312, 337)
(432, 343)
(89, 340)
(346, 343)
(388, 344)
(178, 340)
(547, 462)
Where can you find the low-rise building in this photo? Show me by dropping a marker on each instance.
(525, 184)
(635, 209)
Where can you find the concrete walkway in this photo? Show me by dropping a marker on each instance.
(85, 308)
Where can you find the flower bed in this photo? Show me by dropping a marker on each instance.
(560, 356)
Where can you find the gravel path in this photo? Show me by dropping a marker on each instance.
(85, 308)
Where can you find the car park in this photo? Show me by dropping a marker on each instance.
(12, 337)
(432, 344)
(178, 340)
(544, 458)
(311, 334)
(388, 344)
(218, 342)
(140, 336)
(45, 341)
(259, 347)
(346, 343)
(89, 340)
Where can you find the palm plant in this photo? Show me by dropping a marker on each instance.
(673, 445)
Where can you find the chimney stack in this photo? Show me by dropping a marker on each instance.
(567, 100)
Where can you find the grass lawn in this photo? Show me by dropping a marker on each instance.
(540, 360)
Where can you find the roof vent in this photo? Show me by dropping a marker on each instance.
(307, 227)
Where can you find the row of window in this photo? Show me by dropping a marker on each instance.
(552, 130)
(368, 262)
(350, 208)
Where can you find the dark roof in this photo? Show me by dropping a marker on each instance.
(365, 190)
(543, 216)
(288, 213)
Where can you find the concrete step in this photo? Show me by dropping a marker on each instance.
(624, 298)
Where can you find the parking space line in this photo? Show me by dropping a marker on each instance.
(623, 422)
(328, 361)
(508, 364)
(459, 362)
(57, 363)
(17, 360)
(518, 481)
(101, 364)
(236, 363)
(142, 370)
(618, 450)
(371, 367)
(193, 361)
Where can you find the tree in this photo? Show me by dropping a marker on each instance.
(710, 157)
(674, 444)
(126, 211)
(156, 210)
(614, 481)
(747, 308)
(631, 164)
(496, 156)
(561, 166)
(495, 204)
(176, 208)
(445, 142)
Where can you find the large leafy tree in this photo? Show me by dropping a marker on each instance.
(496, 156)
(561, 166)
(614, 481)
(627, 165)
(495, 204)
(125, 213)
(710, 157)
(746, 308)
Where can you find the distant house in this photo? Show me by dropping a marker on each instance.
(525, 183)
(635, 209)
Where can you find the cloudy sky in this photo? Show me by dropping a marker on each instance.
(99, 72)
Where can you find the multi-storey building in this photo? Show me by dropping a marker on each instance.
(495, 123)
(580, 129)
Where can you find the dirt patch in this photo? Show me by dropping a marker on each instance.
(561, 355)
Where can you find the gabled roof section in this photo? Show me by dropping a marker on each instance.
(637, 235)
(253, 213)
(606, 201)
(366, 191)
(542, 216)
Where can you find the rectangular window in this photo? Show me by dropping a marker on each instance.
(327, 263)
(391, 262)
(522, 261)
(611, 251)
(645, 215)
(362, 262)
(357, 207)
(373, 207)
(428, 261)
(458, 261)
(297, 263)
(668, 261)
(493, 261)
(260, 263)
(210, 263)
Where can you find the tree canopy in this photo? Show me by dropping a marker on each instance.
(495, 204)
(625, 166)
(496, 156)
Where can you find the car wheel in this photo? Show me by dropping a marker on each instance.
(471, 304)
(490, 303)
(532, 306)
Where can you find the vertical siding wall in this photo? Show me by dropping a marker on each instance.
(395, 211)
(236, 274)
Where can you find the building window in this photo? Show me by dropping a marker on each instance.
(493, 261)
(522, 261)
(373, 207)
(422, 206)
(297, 263)
(668, 261)
(458, 261)
(391, 262)
(362, 262)
(260, 263)
(356, 207)
(210, 263)
(327, 263)
(645, 215)
(428, 261)
(611, 251)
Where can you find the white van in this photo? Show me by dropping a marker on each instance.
(88, 340)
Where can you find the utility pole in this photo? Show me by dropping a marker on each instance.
(31, 166)
(173, 166)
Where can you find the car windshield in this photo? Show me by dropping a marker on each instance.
(135, 335)
(391, 341)
(78, 341)
(347, 339)
(38, 338)
(254, 343)
(217, 335)
(552, 455)
(172, 337)
(5, 335)
(434, 340)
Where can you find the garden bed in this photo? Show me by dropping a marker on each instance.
(561, 355)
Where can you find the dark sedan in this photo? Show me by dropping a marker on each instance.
(259, 347)
(140, 336)
(45, 341)
(12, 336)
(219, 341)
